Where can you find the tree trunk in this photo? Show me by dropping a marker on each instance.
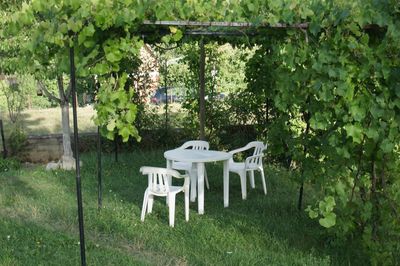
(66, 130)
(68, 161)
(202, 104)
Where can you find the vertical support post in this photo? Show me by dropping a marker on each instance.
(3, 141)
(76, 144)
(166, 94)
(99, 171)
(300, 201)
(116, 147)
(202, 105)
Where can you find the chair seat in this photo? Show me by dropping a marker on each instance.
(235, 167)
(159, 191)
(182, 166)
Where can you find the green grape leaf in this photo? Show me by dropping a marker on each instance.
(354, 131)
(372, 133)
(328, 221)
(312, 213)
(111, 125)
(387, 146)
(357, 112)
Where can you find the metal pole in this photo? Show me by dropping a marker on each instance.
(116, 147)
(3, 140)
(166, 93)
(202, 105)
(99, 170)
(76, 144)
(300, 201)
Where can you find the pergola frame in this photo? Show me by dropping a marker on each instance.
(207, 32)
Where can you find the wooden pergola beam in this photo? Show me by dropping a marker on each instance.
(224, 24)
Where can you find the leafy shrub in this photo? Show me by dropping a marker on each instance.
(9, 164)
(17, 140)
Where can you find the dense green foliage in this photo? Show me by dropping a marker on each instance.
(224, 79)
(9, 44)
(333, 108)
(103, 45)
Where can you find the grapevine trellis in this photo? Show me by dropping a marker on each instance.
(328, 72)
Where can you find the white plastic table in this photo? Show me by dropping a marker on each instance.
(200, 157)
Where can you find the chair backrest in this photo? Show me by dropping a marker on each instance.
(195, 145)
(158, 178)
(259, 147)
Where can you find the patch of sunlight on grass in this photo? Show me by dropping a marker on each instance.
(48, 121)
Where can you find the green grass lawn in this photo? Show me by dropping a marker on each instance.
(38, 221)
(48, 121)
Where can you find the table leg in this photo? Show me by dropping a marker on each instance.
(226, 183)
(200, 187)
(193, 181)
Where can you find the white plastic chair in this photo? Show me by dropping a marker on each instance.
(190, 168)
(251, 164)
(158, 186)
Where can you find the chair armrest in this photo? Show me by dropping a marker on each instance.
(239, 150)
(245, 148)
(181, 176)
(158, 170)
(186, 183)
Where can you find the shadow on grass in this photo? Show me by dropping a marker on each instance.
(30, 125)
(11, 185)
(274, 215)
(26, 243)
(258, 231)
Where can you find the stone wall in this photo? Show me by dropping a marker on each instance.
(47, 148)
(42, 149)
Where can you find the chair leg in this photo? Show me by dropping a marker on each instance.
(243, 184)
(150, 203)
(263, 180)
(252, 183)
(206, 179)
(145, 199)
(187, 204)
(171, 209)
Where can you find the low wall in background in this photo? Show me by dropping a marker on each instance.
(41, 149)
(47, 148)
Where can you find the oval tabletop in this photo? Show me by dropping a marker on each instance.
(196, 156)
